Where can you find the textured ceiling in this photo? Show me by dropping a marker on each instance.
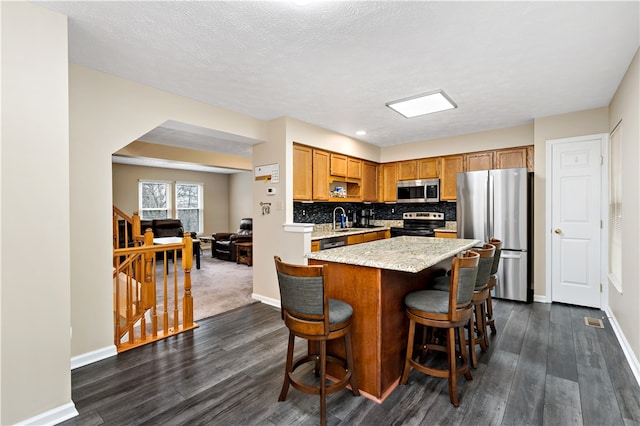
(336, 64)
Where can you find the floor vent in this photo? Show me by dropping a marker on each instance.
(593, 322)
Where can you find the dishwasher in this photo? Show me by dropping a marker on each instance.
(328, 243)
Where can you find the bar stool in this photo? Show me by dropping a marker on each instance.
(310, 315)
(477, 324)
(493, 281)
(444, 310)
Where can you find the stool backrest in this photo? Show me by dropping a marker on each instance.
(464, 270)
(487, 253)
(303, 297)
(496, 257)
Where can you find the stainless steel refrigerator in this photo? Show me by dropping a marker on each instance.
(497, 203)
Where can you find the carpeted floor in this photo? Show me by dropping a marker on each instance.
(218, 286)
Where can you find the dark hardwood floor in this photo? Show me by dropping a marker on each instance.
(544, 367)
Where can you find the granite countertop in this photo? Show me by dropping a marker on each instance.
(321, 234)
(450, 226)
(406, 254)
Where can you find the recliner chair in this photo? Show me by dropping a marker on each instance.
(223, 243)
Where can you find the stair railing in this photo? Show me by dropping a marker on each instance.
(137, 298)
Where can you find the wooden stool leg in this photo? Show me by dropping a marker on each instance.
(451, 360)
(287, 369)
(484, 342)
(463, 353)
(490, 320)
(472, 340)
(323, 383)
(407, 366)
(349, 353)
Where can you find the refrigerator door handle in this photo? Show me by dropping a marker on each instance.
(489, 224)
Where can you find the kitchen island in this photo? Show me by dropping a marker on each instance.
(373, 278)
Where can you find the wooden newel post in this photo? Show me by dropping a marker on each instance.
(187, 263)
(135, 227)
(149, 287)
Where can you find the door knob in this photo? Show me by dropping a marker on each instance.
(558, 231)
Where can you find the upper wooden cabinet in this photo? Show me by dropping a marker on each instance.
(302, 173)
(515, 157)
(317, 172)
(408, 170)
(354, 168)
(338, 165)
(449, 167)
(388, 182)
(429, 168)
(478, 161)
(320, 175)
(369, 181)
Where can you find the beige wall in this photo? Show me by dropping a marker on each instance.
(481, 141)
(240, 198)
(34, 262)
(548, 128)
(106, 114)
(216, 191)
(625, 106)
(270, 237)
(184, 155)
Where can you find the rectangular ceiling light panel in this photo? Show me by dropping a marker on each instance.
(426, 103)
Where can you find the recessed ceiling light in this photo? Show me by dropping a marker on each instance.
(426, 103)
(361, 133)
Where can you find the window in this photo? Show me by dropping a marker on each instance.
(154, 199)
(615, 208)
(189, 206)
(155, 202)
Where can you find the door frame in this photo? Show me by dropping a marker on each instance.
(604, 213)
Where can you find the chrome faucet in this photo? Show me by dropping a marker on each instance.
(334, 215)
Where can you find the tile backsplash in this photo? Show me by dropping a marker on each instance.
(317, 212)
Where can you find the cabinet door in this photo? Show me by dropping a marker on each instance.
(389, 179)
(512, 157)
(478, 161)
(445, 235)
(449, 167)
(354, 168)
(302, 173)
(338, 165)
(369, 181)
(370, 236)
(355, 239)
(320, 175)
(428, 168)
(408, 170)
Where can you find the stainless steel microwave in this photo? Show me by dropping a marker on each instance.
(418, 191)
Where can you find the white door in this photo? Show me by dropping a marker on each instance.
(576, 220)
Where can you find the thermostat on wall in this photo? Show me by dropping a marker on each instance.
(271, 190)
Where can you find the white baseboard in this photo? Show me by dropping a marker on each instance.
(54, 416)
(540, 299)
(626, 348)
(266, 300)
(91, 357)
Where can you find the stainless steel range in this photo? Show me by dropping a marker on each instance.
(419, 224)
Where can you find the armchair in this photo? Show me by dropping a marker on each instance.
(223, 243)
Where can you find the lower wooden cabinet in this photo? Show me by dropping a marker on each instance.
(446, 235)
